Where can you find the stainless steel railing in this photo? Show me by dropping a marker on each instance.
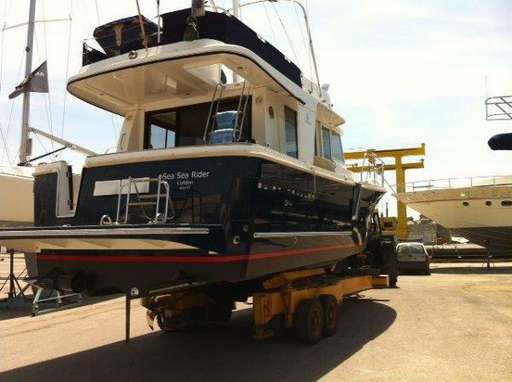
(462, 182)
(127, 186)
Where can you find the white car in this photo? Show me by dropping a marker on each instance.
(413, 257)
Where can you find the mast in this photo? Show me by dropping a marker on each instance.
(25, 129)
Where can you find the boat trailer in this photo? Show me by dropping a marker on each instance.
(307, 301)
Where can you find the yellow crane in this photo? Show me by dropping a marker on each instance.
(398, 166)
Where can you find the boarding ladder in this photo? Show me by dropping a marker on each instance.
(129, 191)
(241, 112)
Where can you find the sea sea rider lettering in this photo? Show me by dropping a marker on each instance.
(182, 175)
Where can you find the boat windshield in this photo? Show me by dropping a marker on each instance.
(410, 249)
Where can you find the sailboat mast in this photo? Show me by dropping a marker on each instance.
(25, 128)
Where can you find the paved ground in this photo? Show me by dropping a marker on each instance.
(455, 325)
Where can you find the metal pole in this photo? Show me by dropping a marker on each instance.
(141, 24)
(12, 291)
(236, 9)
(127, 317)
(401, 207)
(236, 12)
(198, 8)
(24, 154)
(311, 46)
(159, 21)
(64, 142)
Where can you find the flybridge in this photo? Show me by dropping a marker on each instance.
(123, 36)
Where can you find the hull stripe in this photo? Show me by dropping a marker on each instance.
(191, 259)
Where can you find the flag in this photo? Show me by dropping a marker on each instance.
(37, 81)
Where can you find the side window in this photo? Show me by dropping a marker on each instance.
(336, 148)
(290, 127)
(162, 131)
(326, 143)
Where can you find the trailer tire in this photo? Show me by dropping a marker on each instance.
(330, 308)
(309, 321)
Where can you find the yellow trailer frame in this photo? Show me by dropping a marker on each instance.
(286, 300)
(285, 292)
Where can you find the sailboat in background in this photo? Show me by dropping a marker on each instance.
(17, 182)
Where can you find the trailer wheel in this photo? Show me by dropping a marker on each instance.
(166, 324)
(330, 307)
(309, 321)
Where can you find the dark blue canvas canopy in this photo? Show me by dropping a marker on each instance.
(121, 36)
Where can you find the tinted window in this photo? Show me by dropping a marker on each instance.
(290, 126)
(326, 143)
(336, 148)
(162, 133)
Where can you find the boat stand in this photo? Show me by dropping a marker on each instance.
(16, 294)
(488, 262)
(47, 301)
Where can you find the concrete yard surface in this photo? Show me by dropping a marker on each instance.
(455, 325)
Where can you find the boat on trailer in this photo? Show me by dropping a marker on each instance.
(229, 167)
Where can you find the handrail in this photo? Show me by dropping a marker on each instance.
(127, 184)
(168, 201)
(460, 182)
(215, 99)
(372, 166)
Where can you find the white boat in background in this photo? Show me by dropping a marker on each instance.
(16, 181)
(16, 196)
(477, 208)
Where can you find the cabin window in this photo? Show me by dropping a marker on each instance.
(331, 146)
(185, 126)
(336, 148)
(290, 127)
(506, 203)
(326, 143)
(162, 132)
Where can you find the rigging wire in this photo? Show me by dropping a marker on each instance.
(41, 143)
(97, 11)
(290, 42)
(3, 42)
(47, 97)
(4, 140)
(64, 102)
(11, 111)
(306, 45)
(269, 22)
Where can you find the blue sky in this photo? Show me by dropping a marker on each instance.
(401, 72)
